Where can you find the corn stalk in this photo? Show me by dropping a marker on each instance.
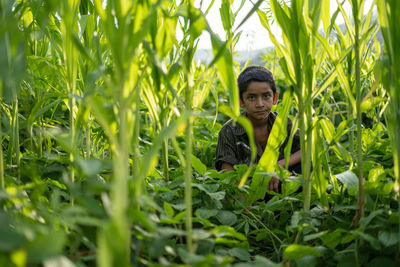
(388, 14)
(68, 29)
(357, 13)
(299, 22)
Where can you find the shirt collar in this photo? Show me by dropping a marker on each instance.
(238, 129)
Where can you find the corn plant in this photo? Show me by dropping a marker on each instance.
(299, 64)
(387, 14)
(13, 62)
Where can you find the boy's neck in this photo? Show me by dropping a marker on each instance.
(257, 124)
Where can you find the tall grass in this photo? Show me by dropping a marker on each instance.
(388, 14)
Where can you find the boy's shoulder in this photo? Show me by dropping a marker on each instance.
(232, 127)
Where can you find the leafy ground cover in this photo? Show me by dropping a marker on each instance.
(108, 132)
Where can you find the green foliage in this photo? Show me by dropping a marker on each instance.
(108, 129)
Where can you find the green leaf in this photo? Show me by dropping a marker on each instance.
(217, 195)
(376, 175)
(206, 213)
(296, 251)
(178, 217)
(198, 165)
(227, 217)
(389, 238)
(226, 15)
(45, 246)
(331, 240)
(240, 253)
(168, 210)
(348, 179)
(317, 157)
(367, 237)
(270, 156)
(260, 261)
(364, 221)
(9, 238)
(380, 262)
(306, 261)
(227, 231)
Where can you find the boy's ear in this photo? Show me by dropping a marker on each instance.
(241, 103)
(276, 96)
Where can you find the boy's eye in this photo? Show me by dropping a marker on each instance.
(267, 96)
(251, 97)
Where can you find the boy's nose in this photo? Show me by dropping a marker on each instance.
(259, 102)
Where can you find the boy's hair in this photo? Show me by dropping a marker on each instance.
(255, 73)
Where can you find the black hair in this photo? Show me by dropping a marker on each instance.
(255, 73)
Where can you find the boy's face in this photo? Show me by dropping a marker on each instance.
(258, 100)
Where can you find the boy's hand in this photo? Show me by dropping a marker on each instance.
(273, 184)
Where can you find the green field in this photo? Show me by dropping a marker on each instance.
(108, 131)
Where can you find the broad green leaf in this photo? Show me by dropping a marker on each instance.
(206, 213)
(224, 230)
(261, 261)
(168, 210)
(389, 238)
(296, 251)
(382, 261)
(198, 165)
(240, 253)
(227, 217)
(376, 174)
(10, 239)
(348, 179)
(45, 245)
(27, 18)
(332, 239)
(365, 221)
(178, 217)
(374, 242)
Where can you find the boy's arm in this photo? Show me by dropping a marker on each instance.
(293, 159)
(227, 167)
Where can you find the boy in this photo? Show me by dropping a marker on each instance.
(257, 96)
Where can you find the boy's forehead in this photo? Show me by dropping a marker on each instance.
(258, 87)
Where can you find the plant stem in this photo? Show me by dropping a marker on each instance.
(71, 103)
(88, 139)
(15, 134)
(165, 156)
(188, 170)
(136, 153)
(361, 200)
(1, 148)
